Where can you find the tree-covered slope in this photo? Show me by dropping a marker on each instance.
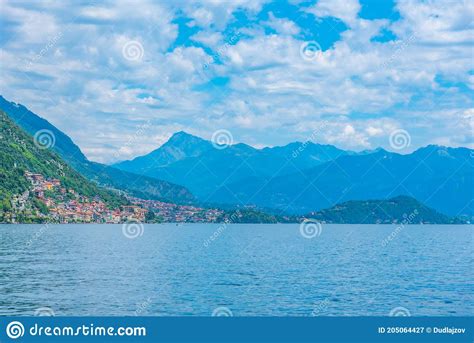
(136, 185)
(401, 209)
(19, 153)
(31, 123)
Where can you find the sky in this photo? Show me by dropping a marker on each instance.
(120, 77)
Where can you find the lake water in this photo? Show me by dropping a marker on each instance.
(243, 270)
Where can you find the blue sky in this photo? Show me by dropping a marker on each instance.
(120, 78)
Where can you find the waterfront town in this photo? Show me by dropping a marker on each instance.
(62, 205)
(169, 212)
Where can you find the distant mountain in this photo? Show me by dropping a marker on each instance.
(399, 210)
(302, 177)
(179, 147)
(137, 185)
(19, 154)
(439, 177)
(296, 178)
(195, 163)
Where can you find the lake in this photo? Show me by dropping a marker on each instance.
(239, 270)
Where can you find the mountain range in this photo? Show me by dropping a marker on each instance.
(439, 177)
(294, 179)
(303, 176)
(194, 162)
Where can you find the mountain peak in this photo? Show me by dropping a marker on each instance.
(179, 146)
(181, 138)
(182, 134)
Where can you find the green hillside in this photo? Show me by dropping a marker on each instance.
(19, 154)
(133, 184)
(401, 209)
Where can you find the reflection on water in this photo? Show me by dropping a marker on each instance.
(240, 270)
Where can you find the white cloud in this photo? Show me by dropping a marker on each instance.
(437, 22)
(101, 13)
(66, 63)
(345, 10)
(218, 13)
(209, 38)
(282, 26)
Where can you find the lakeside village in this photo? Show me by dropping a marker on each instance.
(61, 205)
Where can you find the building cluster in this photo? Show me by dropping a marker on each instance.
(66, 206)
(41, 184)
(168, 212)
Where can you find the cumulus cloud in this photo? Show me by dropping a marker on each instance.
(101, 72)
(345, 10)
